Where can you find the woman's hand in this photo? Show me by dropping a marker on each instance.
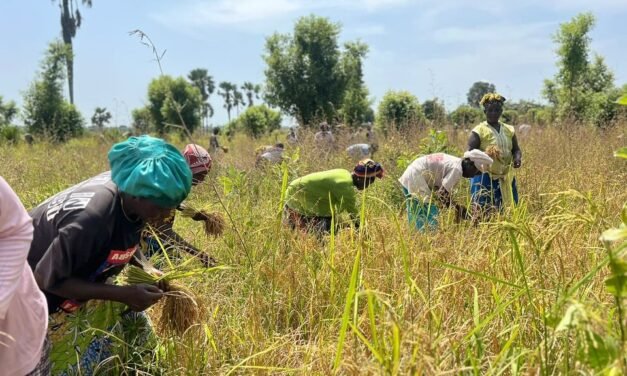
(517, 162)
(139, 297)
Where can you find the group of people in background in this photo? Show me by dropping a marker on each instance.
(59, 261)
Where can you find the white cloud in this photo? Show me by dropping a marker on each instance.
(365, 30)
(491, 33)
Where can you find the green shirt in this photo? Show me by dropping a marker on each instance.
(310, 194)
(502, 139)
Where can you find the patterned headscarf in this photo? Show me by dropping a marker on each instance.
(197, 158)
(492, 98)
(367, 168)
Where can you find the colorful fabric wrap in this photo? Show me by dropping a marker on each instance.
(150, 168)
(197, 158)
(367, 168)
(421, 214)
(492, 98)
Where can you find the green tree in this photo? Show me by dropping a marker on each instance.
(251, 91)
(141, 120)
(201, 79)
(477, 91)
(174, 101)
(465, 115)
(399, 109)
(303, 70)
(100, 117)
(582, 89)
(8, 111)
(355, 108)
(434, 111)
(71, 21)
(226, 91)
(258, 120)
(46, 112)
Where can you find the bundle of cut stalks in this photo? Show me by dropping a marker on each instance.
(493, 152)
(179, 309)
(214, 222)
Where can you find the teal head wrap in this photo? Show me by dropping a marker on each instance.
(150, 168)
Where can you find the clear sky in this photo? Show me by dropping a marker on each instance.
(428, 47)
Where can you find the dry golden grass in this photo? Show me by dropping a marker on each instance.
(463, 300)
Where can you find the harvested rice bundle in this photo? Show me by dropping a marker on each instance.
(179, 309)
(493, 152)
(214, 222)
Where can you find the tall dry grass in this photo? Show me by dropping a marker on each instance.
(521, 294)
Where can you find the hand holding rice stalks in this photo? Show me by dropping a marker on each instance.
(214, 222)
(493, 152)
(179, 309)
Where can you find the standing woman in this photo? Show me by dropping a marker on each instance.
(492, 188)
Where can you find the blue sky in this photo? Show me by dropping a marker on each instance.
(428, 47)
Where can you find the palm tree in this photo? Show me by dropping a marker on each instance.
(100, 117)
(238, 99)
(251, 90)
(226, 92)
(204, 82)
(70, 22)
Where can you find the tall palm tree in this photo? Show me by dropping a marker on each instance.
(238, 99)
(70, 22)
(204, 82)
(226, 92)
(251, 90)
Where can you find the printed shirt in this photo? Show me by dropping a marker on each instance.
(313, 194)
(502, 139)
(81, 232)
(23, 311)
(431, 172)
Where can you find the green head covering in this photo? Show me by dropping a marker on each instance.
(150, 168)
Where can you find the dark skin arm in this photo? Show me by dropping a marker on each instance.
(474, 142)
(516, 152)
(168, 232)
(137, 297)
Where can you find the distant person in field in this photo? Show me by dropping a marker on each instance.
(357, 152)
(309, 199)
(214, 144)
(429, 181)
(30, 140)
(324, 139)
(199, 162)
(292, 139)
(24, 349)
(84, 236)
(497, 186)
(272, 154)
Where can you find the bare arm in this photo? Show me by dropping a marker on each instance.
(516, 152)
(137, 297)
(474, 142)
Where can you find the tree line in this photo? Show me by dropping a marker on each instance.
(311, 78)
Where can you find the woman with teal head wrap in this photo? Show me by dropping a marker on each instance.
(148, 167)
(85, 235)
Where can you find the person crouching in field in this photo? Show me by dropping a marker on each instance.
(24, 349)
(495, 187)
(199, 162)
(272, 154)
(84, 236)
(357, 152)
(432, 178)
(309, 199)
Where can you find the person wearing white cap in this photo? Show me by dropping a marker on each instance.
(432, 178)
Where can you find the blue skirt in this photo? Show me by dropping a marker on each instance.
(421, 214)
(486, 191)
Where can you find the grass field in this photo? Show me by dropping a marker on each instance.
(521, 294)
